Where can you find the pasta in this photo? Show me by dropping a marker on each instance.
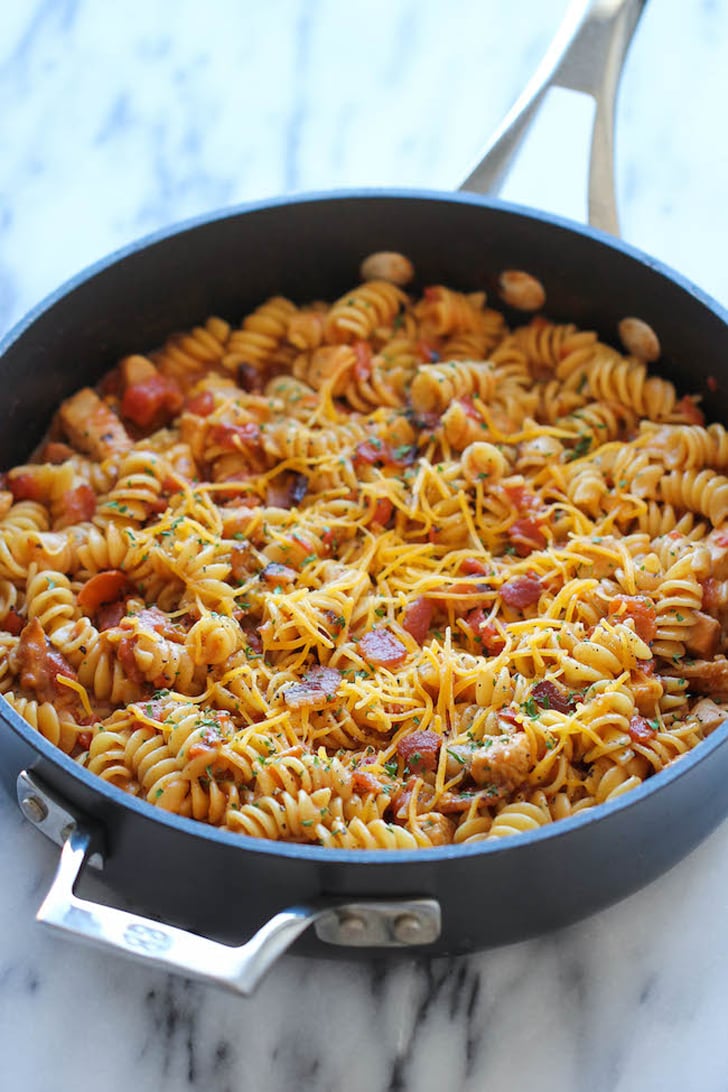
(381, 574)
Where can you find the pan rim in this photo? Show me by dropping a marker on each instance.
(314, 853)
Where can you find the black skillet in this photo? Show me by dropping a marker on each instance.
(213, 884)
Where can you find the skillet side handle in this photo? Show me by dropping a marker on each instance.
(369, 923)
(586, 55)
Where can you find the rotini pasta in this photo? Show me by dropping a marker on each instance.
(375, 574)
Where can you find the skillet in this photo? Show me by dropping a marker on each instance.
(204, 890)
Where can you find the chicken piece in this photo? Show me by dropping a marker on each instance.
(40, 665)
(704, 639)
(717, 543)
(710, 715)
(504, 765)
(92, 427)
(707, 676)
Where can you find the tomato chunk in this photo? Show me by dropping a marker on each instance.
(383, 511)
(79, 504)
(202, 403)
(417, 618)
(235, 437)
(25, 487)
(12, 623)
(526, 536)
(152, 401)
(381, 648)
(642, 612)
(102, 589)
(486, 632)
(521, 591)
(640, 730)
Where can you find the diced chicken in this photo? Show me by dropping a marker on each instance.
(501, 764)
(437, 828)
(717, 543)
(707, 676)
(92, 427)
(40, 665)
(709, 714)
(704, 638)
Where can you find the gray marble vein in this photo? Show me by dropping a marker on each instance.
(120, 119)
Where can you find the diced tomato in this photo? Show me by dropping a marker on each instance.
(152, 402)
(202, 403)
(420, 750)
(363, 366)
(235, 437)
(526, 536)
(417, 618)
(521, 591)
(642, 612)
(102, 589)
(40, 665)
(25, 487)
(473, 566)
(364, 782)
(486, 632)
(83, 740)
(79, 504)
(12, 623)
(640, 730)
(382, 511)
(520, 496)
(369, 452)
(693, 414)
(549, 695)
(381, 648)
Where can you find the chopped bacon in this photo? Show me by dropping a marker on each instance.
(382, 649)
(152, 402)
(276, 574)
(25, 486)
(109, 615)
(235, 437)
(485, 631)
(12, 623)
(202, 403)
(56, 453)
(250, 379)
(317, 688)
(363, 782)
(286, 490)
(692, 413)
(79, 504)
(420, 750)
(377, 453)
(417, 618)
(363, 366)
(400, 803)
(40, 665)
(102, 589)
(474, 566)
(520, 496)
(640, 730)
(642, 612)
(382, 511)
(526, 536)
(521, 591)
(549, 695)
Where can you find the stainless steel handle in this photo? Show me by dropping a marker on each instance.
(586, 55)
(390, 923)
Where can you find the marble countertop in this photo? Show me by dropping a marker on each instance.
(120, 119)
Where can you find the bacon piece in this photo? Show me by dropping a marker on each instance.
(704, 637)
(102, 589)
(250, 379)
(202, 403)
(520, 496)
(79, 504)
(485, 631)
(25, 485)
(363, 782)
(276, 574)
(153, 402)
(235, 437)
(109, 615)
(286, 490)
(381, 648)
(640, 609)
(243, 562)
(252, 636)
(12, 623)
(420, 750)
(640, 730)
(707, 676)
(315, 691)
(521, 591)
(56, 453)
(474, 566)
(417, 618)
(92, 427)
(40, 665)
(377, 453)
(382, 511)
(526, 536)
(402, 799)
(549, 695)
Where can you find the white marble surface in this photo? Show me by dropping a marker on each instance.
(118, 119)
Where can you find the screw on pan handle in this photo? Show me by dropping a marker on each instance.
(390, 923)
(586, 55)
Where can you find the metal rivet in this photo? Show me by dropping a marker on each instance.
(352, 926)
(407, 928)
(34, 809)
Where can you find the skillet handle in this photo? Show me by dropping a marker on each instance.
(391, 923)
(586, 55)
